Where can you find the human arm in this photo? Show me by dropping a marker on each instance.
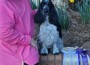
(8, 33)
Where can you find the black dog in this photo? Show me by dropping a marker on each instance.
(50, 29)
(53, 17)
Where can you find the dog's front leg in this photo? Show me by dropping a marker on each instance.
(55, 49)
(44, 49)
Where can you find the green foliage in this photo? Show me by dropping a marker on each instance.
(63, 17)
(35, 4)
(84, 10)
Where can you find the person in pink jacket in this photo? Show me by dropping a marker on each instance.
(16, 33)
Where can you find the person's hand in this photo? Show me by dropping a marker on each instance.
(34, 43)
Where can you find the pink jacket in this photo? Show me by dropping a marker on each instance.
(16, 31)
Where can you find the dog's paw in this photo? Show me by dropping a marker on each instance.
(44, 51)
(56, 51)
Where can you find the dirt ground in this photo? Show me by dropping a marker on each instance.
(78, 34)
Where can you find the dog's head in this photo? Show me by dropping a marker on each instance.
(46, 6)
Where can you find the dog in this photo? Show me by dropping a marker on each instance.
(50, 37)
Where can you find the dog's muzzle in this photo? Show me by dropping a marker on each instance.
(46, 9)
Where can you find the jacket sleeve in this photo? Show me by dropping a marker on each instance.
(8, 33)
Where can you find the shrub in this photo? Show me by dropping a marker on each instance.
(84, 10)
(35, 4)
(63, 17)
